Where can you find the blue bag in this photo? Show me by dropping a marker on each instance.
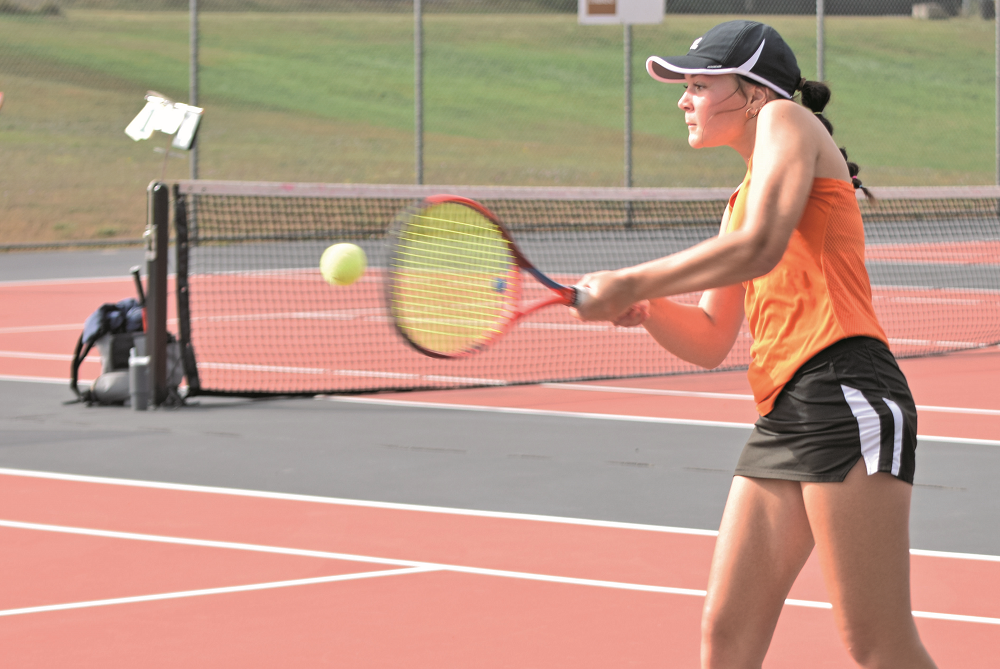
(120, 318)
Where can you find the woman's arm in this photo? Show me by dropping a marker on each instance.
(784, 165)
(702, 334)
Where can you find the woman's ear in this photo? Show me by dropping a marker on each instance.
(759, 95)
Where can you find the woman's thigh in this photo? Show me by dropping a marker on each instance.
(764, 540)
(861, 529)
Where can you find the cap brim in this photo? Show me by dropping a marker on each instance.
(672, 70)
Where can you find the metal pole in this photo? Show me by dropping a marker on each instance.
(157, 247)
(996, 68)
(193, 76)
(820, 41)
(628, 105)
(418, 87)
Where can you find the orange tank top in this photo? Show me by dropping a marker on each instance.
(818, 294)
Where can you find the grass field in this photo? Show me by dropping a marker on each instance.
(528, 99)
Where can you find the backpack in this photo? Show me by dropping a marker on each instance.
(113, 327)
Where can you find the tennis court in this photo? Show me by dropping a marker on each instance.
(326, 496)
(550, 524)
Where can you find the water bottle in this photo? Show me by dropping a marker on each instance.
(138, 380)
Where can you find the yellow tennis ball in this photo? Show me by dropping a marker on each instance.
(342, 264)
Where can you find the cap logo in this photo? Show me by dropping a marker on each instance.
(750, 64)
(695, 44)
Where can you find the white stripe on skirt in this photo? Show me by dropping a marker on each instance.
(897, 434)
(869, 427)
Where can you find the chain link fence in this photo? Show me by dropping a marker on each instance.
(515, 92)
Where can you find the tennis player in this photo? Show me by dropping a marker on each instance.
(830, 461)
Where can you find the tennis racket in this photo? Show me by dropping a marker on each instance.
(454, 283)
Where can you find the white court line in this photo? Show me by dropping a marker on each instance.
(980, 412)
(213, 591)
(420, 508)
(44, 379)
(413, 565)
(886, 291)
(954, 556)
(601, 416)
(93, 356)
(331, 314)
(962, 345)
(350, 557)
(59, 282)
(274, 369)
(262, 368)
(646, 391)
(23, 329)
(732, 396)
(433, 378)
(957, 440)
(41, 328)
(931, 300)
(339, 501)
(956, 617)
(530, 412)
(580, 327)
(380, 316)
(534, 412)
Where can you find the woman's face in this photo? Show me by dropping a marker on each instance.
(714, 109)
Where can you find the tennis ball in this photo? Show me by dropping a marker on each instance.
(342, 264)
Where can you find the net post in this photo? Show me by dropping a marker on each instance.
(193, 79)
(418, 89)
(627, 40)
(157, 246)
(820, 41)
(182, 247)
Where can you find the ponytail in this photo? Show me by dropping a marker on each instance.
(815, 96)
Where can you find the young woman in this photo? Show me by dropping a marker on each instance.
(830, 461)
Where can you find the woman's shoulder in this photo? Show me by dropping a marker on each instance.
(787, 110)
(790, 125)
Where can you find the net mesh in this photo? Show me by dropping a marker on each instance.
(255, 316)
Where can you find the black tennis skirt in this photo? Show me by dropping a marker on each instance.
(849, 402)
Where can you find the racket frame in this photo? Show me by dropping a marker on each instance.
(564, 295)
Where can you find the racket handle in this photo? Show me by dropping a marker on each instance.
(138, 285)
(580, 296)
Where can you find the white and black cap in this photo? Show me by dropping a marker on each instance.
(751, 49)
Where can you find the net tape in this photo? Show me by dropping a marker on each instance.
(256, 318)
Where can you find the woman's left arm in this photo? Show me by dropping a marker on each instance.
(784, 165)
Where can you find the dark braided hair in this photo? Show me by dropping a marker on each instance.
(815, 96)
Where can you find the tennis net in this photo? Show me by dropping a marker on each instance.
(256, 318)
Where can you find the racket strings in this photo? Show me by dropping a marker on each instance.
(474, 248)
(455, 282)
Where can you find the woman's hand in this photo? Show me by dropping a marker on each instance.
(609, 299)
(635, 316)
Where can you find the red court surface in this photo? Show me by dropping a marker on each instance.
(103, 573)
(134, 575)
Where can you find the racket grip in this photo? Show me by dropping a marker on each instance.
(138, 286)
(580, 296)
